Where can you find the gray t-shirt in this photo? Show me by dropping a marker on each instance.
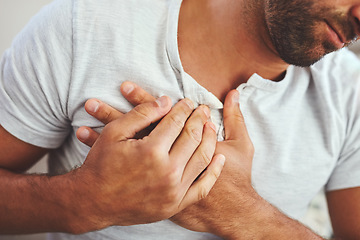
(304, 128)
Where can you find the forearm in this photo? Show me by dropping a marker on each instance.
(36, 203)
(262, 221)
(277, 225)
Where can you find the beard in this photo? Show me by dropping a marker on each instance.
(297, 30)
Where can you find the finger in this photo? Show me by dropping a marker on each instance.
(201, 188)
(102, 111)
(135, 94)
(234, 123)
(190, 137)
(169, 128)
(201, 158)
(87, 136)
(140, 117)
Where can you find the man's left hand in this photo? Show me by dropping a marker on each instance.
(234, 184)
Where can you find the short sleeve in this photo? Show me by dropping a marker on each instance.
(35, 77)
(346, 173)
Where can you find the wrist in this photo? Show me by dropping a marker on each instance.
(36, 203)
(68, 217)
(253, 212)
(80, 202)
(264, 221)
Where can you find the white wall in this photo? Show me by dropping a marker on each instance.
(14, 14)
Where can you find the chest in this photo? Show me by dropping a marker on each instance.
(297, 145)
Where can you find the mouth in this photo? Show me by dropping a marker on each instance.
(335, 37)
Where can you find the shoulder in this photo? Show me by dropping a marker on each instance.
(117, 9)
(110, 22)
(333, 88)
(337, 77)
(341, 68)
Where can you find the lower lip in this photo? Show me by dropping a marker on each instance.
(334, 37)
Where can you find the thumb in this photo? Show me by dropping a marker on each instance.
(234, 123)
(140, 117)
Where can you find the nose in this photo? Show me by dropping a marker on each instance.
(355, 13)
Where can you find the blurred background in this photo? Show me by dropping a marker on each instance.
(14, 14)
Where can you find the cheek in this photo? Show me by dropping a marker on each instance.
(320, 31)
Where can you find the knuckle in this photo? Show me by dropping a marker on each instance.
(205, 157)
(172, 179)
(108, 131)
(172, 197)
(177, 121)
(250, 148)
(153, 154)
(170, 182)
(186, 106)
(143, 112)
(138, 96)
(194, 134)
(107, 114)
(239, 117)
(216, 173)
(153, 158)
(204, 113)
(202, 193)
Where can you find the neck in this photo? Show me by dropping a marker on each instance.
(222, 43)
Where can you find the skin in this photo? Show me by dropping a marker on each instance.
(304, 43)
(232, 50)
(248, 47)
(238, 50)
(132, 181)
(242, 211)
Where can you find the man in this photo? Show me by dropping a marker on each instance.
(303, 121)
(157, 173)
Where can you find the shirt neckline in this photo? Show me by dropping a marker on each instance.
(191, 88)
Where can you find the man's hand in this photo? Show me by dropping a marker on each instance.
(106, 114)
(236, 177)
(233, 209)
(149, 179)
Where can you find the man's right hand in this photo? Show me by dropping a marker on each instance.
(125, 181)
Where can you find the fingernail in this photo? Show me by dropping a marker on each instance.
(222, 159)
(128, 88)
(162, 101)
(236, 97)
(212, 126)
(93, 106)
(84, 134)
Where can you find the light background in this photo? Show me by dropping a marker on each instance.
(14, 14)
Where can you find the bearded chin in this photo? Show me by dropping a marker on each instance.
(299, 52)
(292, 26)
